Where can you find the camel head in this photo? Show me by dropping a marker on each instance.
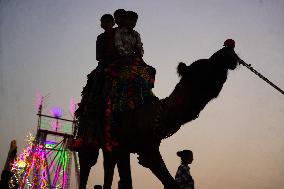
(221, 61)
(203, 80)
(226, 57)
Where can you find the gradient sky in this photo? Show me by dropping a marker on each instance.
(238, 139)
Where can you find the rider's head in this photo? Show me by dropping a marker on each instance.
(107, 22)
(119, 16)
(131, 19)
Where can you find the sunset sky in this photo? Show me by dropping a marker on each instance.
(238, 139)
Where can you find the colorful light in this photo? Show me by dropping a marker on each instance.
(38, 100)
(56, 112)
(32, 164)
(30, 139)
(72, 107)
(45, 164)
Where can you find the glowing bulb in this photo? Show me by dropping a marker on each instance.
(56, 112)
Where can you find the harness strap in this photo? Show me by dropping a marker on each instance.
(160, 131)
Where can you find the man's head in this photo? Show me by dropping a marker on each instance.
(107, 22)
(119, 17)
(13, 144)
(131, 19)
(186, 156)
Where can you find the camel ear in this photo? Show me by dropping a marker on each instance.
(181, 69)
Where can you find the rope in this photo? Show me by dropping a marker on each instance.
(261, 76)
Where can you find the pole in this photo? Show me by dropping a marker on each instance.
(261, 76)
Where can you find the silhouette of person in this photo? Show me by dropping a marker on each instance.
(90, 109)
(127, 40)
(183, 176)
(7, 171)
(95, 121)
(105, 49)
(131, 79)
(119, 18)
(11, 155)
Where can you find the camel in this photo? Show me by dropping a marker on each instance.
(142, 130)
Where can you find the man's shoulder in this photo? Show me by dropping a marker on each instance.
(135, 32)
(101, 36)
(120, 30)
(184, 167)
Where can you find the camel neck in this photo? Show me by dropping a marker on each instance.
(171, 116)
(179, 110)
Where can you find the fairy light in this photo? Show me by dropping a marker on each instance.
(43, 168)
(56, 112)
(32, 158)
(30, 139)
(72, 107)
(47, 165)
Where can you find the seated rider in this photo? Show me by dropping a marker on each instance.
(130, 78)
(92, 101)
(119, 18)
(129, 47)
(105, 49)
(121, 82)
(127, 40)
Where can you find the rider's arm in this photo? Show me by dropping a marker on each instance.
(99, 48)
(139, 51)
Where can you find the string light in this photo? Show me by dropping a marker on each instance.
(32, 163)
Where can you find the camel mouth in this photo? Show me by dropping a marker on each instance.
(235, 62)
(234, 65)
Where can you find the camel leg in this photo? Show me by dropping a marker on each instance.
(124, 170)
(154, 161)
(123, 164)
(109, 164)
(87, 159)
